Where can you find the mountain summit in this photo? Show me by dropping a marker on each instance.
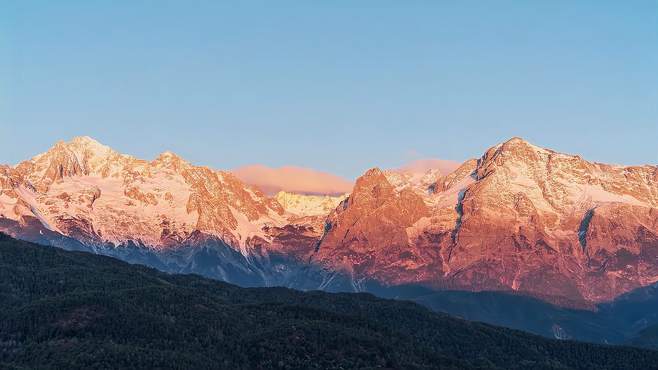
(520, 218)
(89, 192)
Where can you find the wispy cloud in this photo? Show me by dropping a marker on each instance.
(293, 179)
(423, 165)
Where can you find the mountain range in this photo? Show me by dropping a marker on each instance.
(520, 220)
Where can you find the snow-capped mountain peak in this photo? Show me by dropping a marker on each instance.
(87, 190)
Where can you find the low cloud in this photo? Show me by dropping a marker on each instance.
(293, 179)
(423, 165)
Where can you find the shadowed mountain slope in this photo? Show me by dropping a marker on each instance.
(62, 309)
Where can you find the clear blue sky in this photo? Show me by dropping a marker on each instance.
(339, 86)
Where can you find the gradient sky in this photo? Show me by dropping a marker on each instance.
(340, 86)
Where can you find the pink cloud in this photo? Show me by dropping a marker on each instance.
(423, 165)
(293, 179)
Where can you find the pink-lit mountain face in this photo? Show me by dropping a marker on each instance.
(521, 218)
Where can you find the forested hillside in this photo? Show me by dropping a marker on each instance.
(74, 310)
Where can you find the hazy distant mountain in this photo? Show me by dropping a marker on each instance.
(308, 205)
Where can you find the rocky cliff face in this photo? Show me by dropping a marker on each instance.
(520, 218)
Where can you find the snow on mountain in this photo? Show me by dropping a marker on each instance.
(520, 218)
(88, 191)
(308, 205)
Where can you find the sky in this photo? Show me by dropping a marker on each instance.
(338, 86)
